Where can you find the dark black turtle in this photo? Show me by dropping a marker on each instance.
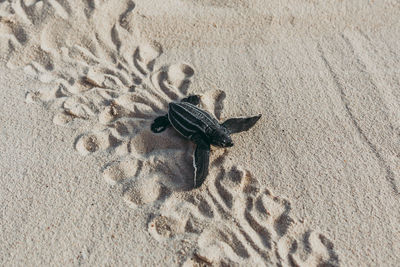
(203, 129)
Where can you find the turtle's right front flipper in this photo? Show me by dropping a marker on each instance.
(160, 124)
(201, 159)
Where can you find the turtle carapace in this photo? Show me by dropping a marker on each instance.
(203, 129)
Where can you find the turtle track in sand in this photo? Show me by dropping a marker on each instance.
(234, 222)
(109, 82)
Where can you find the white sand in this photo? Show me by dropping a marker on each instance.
(84, 181)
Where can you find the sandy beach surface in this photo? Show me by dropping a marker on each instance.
(83, 180)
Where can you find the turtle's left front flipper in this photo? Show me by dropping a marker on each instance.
(237, 125)
(201, 159)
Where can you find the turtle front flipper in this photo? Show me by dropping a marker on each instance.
(192, 99)
(201, 160)
(160, 124)
(237, 125)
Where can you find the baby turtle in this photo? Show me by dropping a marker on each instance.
(203, 129)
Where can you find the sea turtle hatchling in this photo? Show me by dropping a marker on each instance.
(203, 129)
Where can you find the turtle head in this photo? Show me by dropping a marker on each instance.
(220, 137)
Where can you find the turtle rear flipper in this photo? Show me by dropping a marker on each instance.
(160, 124)
(237, 125)
(192, 99)
(201, 159)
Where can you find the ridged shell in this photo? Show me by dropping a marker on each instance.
(188, 119)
